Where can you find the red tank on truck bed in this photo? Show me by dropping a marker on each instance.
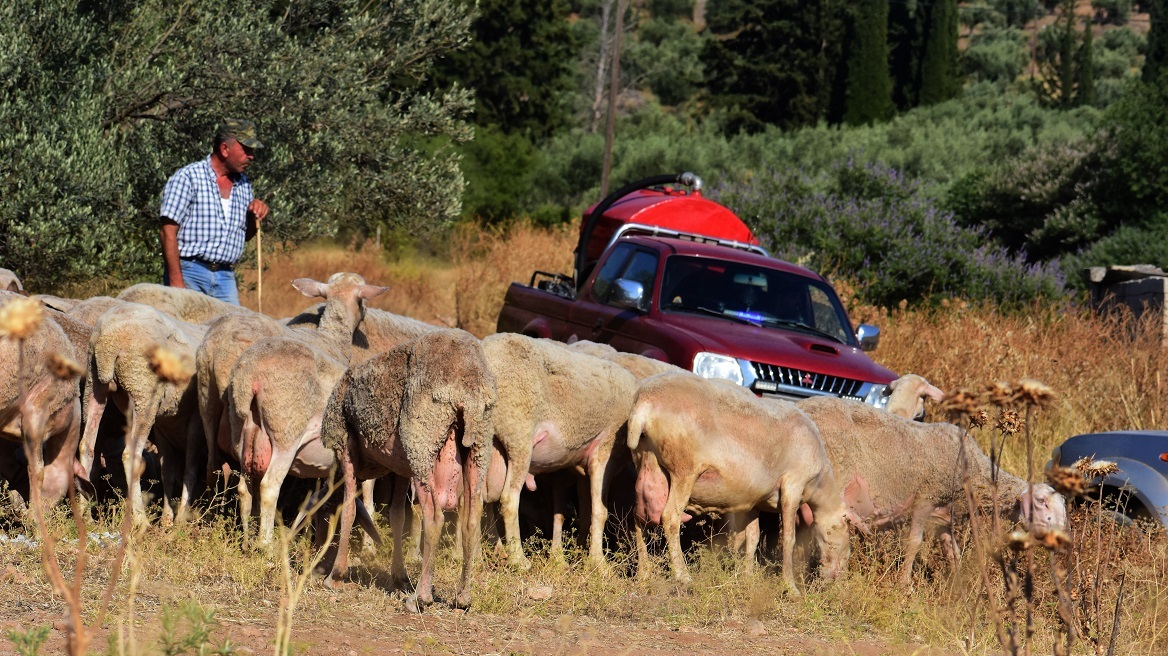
(674, 209)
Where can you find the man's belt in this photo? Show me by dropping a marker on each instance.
(209, 265)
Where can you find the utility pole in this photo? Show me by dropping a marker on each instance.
(613, 89)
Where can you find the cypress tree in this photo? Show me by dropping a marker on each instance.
(772, 62)
(906, 35)
(940, 75)
(1085, 94)
(1157, 57)
(869, 81)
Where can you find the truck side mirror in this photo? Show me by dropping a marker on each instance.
(868, 336)
(628, 294)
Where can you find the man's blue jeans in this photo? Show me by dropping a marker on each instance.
(217, 284)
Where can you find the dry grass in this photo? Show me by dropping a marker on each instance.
(1106, 371)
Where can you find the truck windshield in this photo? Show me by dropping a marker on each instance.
(757, 295)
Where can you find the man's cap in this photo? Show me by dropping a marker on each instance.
(241, 130)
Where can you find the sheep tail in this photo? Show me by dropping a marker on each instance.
(104, 364)
(636, 426)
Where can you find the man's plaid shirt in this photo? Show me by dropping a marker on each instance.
(191, 199)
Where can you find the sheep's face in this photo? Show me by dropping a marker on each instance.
(831, 536)
(1046, 512)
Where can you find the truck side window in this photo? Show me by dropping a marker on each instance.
(611, 270)
(826, 317)
(643, 269)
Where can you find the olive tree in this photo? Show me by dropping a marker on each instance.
(101, 102)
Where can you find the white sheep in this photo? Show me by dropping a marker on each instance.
(896, 470)
(121, 347)
(180, 303)
(227, 338)
(557, 409)
(278, 391)
(907, 394)
(422, 410)
(37, 404)
(706, 445)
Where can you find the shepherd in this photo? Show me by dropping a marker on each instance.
(209, 212)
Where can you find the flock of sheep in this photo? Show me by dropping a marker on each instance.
(355, 393)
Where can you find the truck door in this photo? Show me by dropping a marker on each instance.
(599, 321)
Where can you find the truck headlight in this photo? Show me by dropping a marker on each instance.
(876, 397)
(716, 365)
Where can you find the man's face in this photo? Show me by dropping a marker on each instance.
(236, 156)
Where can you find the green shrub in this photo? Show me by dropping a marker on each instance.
(872, 223)
(996, 54)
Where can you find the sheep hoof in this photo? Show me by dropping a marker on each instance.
(400, 582)
(412, 604)
(520, 564)
(462, 600)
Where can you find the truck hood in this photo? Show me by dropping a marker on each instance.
(783, 347)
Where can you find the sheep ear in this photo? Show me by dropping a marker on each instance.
(310, 287)
(371, 291)
(933, 393)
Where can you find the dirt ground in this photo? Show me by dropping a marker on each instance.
(441, 630)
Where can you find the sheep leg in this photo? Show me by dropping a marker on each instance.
(368, 545)
(949, 544)
(675, 504)
(95, 401)
(133, 460)
(744, 536)
(220, 445)
(273, 478)
(167, 456)
(190, 465)
(651, 482)
(246, 489)
(518, 465)
(432, 518)
(397, 524)
(211, 414)
(790, 498)
(912, 543)
(32, 424)
(584, 511)
(556, 549)
(348, 511)
(598, 479)
(470, 516)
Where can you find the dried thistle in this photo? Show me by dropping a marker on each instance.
(1089, 467)
(1000, 394)
(20, 318)
(1019, 540)
(961, 402)
(1032, 392)
(169, 367)
(1055, 540)
(980, 419)
(1067, 481)
(63, 367)
(1008, 422)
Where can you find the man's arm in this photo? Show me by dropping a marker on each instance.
(257, 211)
(170, 252)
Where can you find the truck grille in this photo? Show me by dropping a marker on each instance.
(774, 378)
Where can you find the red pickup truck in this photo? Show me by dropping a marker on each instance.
(666, 273)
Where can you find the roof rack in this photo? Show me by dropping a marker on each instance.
(657, 231)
